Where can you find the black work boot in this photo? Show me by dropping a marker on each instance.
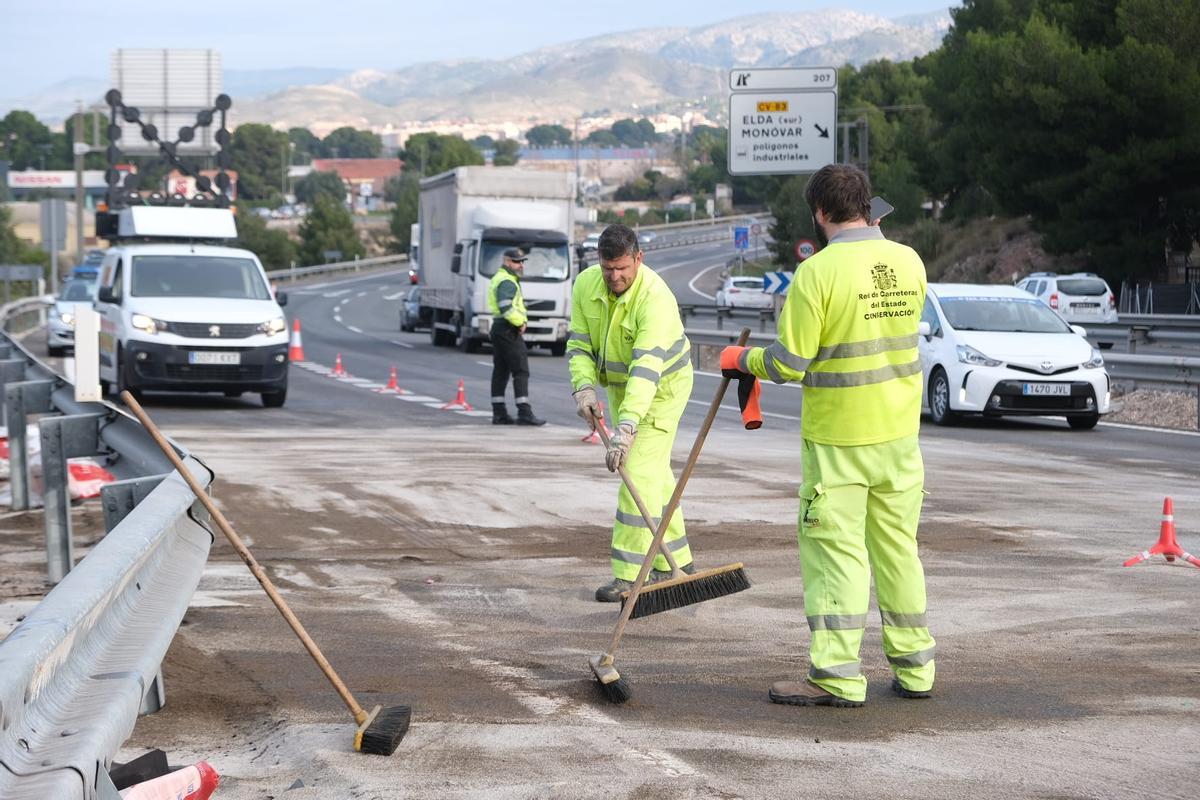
(525, 415)
(665, 574)
(500, 415)
(611, 592)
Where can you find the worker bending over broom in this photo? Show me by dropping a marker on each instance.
(848, 332)
(626, 336)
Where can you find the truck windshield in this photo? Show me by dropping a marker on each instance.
(197, 276)
(546, 262)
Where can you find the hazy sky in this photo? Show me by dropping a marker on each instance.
(44, 41)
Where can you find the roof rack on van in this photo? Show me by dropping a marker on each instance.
(170, 224)
(1042, 274)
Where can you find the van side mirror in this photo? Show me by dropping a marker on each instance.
(105, 295)
(923, 329)
(456, 261)
(281, 299)
(1079, 330)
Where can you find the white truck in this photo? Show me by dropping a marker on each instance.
(468, 217)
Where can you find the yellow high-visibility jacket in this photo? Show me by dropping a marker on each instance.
(505, 299)
(634, 343)
(848, 333)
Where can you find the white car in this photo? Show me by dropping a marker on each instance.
(994, 350)
(1082, 297)
(60, 322)
(591, 243)
(743, 291)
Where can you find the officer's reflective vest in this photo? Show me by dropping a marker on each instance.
(504, 298)
(848, 333)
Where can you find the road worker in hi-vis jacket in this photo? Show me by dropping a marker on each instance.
(848, 334)
(626, 336)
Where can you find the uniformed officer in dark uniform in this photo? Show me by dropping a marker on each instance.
(510, 356)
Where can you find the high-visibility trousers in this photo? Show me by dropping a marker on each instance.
(859, 508)
(649, 467)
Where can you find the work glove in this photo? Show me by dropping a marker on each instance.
(733, 366)
(618, 446)
(587, 405)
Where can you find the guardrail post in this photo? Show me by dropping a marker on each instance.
(20, 400)
(5, 351)
(62, 438)
(11, 371)
(122, 497)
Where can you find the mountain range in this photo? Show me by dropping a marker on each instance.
(638, 70)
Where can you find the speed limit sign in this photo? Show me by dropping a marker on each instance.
(805, 248)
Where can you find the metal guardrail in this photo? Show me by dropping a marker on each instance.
(1135, 329)
(76, 672)
(296, 273)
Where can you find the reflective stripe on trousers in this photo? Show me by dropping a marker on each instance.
(859, 510)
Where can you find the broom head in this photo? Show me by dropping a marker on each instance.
(614, 688)
(685, 590)
(380, 733)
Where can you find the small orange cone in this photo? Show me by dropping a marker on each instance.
(594, 436)
(338, 370)
(460, 399)
(296, 346)
(1166, 546)
(393, 384)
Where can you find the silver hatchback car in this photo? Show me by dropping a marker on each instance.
(1079, 298)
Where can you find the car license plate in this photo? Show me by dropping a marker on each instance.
(1085, 306)
(1046, 389)
(210, 357)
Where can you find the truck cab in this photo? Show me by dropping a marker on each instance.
(178, 313)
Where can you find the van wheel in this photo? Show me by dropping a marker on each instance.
(939, 399)
(274, 399)
(123, 382)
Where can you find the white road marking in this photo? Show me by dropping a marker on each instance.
(735, 410)
(476, 413)
(395, 296)
(485, 363)
(361, 294)
(352, 328)
(402, 344)
(417, 398)
(337, 317)
(692, 283)
(1148, 428)
(372, 277)
(338, 293)
(434, 404)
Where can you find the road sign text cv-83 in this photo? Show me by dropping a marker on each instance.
(782, 121)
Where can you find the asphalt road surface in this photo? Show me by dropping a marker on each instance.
(449, 564)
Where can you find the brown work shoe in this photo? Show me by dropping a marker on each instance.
(804, 693)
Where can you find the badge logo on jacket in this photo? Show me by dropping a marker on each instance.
(884, 277)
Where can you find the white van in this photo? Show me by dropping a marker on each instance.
(177, 315)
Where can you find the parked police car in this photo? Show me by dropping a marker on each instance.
(182, 312)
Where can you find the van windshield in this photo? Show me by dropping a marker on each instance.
(197, 276)
(546, 262)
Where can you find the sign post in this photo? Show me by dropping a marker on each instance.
(782, 120)
(54, 234)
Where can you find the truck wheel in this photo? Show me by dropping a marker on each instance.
(440, 338)
(274, 399)
(558, 349)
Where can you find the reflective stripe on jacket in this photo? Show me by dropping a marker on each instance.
(635, 340)
(848, 332)
(505, 299)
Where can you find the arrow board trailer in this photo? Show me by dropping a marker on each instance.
(782, 121)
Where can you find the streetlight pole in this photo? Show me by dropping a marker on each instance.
(80, 148)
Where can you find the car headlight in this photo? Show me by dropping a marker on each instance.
(969, 355)
(147, 324)
(67, 318)
(1096, 360)
(273, 327)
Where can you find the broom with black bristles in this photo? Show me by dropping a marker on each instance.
(680, 589)
(379, 730)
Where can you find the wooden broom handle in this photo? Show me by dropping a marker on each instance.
(672, 505)
(248, 557)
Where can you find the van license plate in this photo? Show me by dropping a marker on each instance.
(214, 358)
(1046, 389)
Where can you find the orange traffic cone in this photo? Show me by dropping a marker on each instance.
(296, 346)
(392, 385)
(594, 436)
(1166, 546)
(460, 399)
(338, 370)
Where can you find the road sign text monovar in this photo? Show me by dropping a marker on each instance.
(782, 120)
